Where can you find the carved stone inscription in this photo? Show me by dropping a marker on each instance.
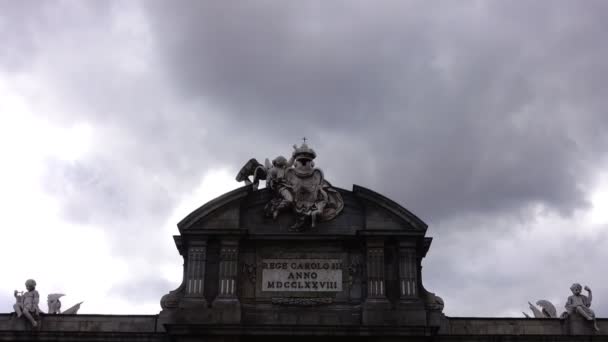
(302, 275)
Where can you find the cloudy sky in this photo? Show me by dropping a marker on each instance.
(487, 119)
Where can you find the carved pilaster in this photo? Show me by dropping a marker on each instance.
(408, 282)
(228, 270)
(376, 303)
(195, 271)
(227, 304)
(375, 272)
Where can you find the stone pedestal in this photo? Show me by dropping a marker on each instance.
(227, 310)
(578, 325)
(376, 312)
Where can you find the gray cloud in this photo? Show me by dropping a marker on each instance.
(493, 107)
(28, 27)
(143, 288)
(455, 111)
(496, 270)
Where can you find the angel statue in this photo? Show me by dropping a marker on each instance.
(278, 183)
(27, 303)
(580, 304)
(270, 172)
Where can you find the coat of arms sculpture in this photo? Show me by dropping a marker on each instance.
(297, 186)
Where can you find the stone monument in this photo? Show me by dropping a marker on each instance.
(26, 303)
(297, 186)
(580, 305)
(301, 254)
(298, 260)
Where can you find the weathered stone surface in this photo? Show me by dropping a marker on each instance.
(372, 250)
(82, 328)
(462, 326)
(148, 328)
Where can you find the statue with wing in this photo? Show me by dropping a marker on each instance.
(577, 304)
(297, 186)
(547, 309)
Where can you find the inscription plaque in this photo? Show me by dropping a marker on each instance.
(302, 275)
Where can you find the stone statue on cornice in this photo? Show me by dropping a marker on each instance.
(297, 186)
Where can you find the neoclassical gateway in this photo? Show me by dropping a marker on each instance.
(296, 260)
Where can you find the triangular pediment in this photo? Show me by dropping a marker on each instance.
(220, 213)
(243, 209)
(382, 213)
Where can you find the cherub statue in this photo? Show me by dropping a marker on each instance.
(269, 172)
(276, 170)
(279, 184)
(580, 304)
(54, 303)
(27, 302)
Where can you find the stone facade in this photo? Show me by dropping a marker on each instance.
(248, 276)
(242, 267)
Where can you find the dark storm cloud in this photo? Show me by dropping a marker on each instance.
(487, 106)
(453, 110)
(27, 27)
(96, 69)
(448, 110)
